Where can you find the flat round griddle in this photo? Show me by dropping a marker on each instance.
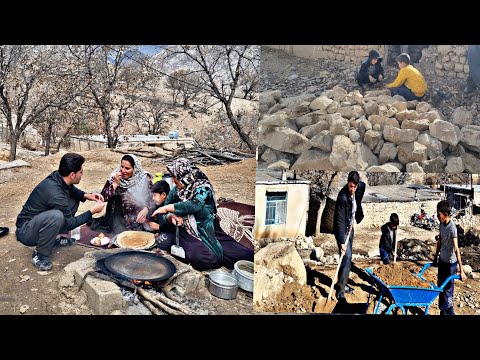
(140, 265)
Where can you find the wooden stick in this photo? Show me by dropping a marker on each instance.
(395, 253)
(177, 274)
(175, 305)
(150, 307)
(154, 301)
(340, 261)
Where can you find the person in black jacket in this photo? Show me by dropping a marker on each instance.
(371, 70)
(388, 239)
(473, 60)
(347, 208)
(50, 210)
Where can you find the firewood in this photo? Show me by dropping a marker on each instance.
(156, 302)
(152, 308)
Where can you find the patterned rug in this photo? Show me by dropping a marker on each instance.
(237, 220)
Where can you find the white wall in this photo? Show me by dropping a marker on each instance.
(297, 208)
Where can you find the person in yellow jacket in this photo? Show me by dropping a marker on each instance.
(409, 82)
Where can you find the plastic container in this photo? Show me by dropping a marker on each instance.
(75, 233)
(173, 134)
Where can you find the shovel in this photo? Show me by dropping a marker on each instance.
(176, 249)
(330, 304)
(395, 253)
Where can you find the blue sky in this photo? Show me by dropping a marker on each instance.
(150, 49)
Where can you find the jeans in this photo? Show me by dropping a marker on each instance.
(445, 300)
(405, 92)
(345, 266)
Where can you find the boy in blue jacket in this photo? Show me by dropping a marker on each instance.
(371, 70)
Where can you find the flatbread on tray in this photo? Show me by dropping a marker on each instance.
(135, 240)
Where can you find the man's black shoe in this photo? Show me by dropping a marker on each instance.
(3, 231)
(41, 262)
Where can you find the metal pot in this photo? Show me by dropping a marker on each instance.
(243, 272)
(223, 285)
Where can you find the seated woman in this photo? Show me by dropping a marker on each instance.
(129, 198)
(191, 204)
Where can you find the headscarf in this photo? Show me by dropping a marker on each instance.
(137, 177)
(193, 178)
(190, 176)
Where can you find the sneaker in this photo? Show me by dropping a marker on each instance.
(64, 241)
(348, 290)
(4, 231)
(41, 262)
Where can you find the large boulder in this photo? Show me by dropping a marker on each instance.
(313, 159)
(444, 131)
(286, 140)
(411, 152)
(471, 137)
(400, 136)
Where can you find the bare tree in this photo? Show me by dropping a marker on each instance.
(249, 84)
(221, 69)
(33, 79)
(151, 115)
(184, 83)
(114, 80)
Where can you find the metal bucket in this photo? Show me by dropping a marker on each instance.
(223, 285)
(243, 272)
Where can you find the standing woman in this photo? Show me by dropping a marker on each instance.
(191, 203)
(127, 191)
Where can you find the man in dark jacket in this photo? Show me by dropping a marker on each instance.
(473, 59)
(348, 208)
(388, 239)
(50, 210)
(371, 70)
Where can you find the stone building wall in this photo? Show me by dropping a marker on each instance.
(448, 61)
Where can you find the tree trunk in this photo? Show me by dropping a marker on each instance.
(48, 137)
(245, 138)
(13, 146)
(108, 130)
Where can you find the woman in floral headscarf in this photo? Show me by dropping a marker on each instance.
(127, 191)
(191, 203)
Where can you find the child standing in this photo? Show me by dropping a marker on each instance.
(371, 70)
(388, 239)
(409, 82)
(164, 238)
(449, 260)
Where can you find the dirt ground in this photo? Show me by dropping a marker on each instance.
(311, 298)
(25, 290)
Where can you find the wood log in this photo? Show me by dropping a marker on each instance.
(152, 308)
(156, 302)
(177, 274)
(174, 304)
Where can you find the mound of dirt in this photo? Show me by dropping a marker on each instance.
(395, 274)
(294, 298)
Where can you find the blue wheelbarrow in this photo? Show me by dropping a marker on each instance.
(407, 296)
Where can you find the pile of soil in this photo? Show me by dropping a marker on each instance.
(395, 274)
(294, 298)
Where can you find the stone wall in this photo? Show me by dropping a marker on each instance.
(378, 213)
(449, 61)
(348, 53)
